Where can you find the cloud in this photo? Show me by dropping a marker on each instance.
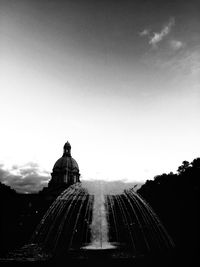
(176, 45)
(182, 66)
(158, 37)
(144, 32)
(189, 64)
(28, 178)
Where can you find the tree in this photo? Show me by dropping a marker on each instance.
(185, 165)
(196, 163)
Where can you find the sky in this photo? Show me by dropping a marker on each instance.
(119, 80)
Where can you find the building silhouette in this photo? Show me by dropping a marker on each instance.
(64, 174)
(65, 170)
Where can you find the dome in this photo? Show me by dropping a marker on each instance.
(65, 170)
(66, 162)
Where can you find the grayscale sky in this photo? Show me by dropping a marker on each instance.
(120, 80)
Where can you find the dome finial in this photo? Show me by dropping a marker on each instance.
(67, 149)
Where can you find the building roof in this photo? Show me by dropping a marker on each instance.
(66, 162)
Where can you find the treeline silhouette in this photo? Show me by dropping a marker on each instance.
(175, 199)
(19, 216)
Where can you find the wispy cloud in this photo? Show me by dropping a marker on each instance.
(144, 32)
(189, 64)
(158, 37)
(183, 66)
(176, 45)
(28, 178)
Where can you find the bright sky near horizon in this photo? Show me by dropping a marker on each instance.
(120, 80)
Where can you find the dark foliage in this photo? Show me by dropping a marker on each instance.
(19, 215)
(175, 198)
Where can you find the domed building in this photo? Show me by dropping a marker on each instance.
(65, 170)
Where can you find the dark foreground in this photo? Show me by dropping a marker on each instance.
(106, 258)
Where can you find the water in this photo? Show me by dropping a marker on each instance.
(133, 223)
(66, 223)
(99, 225)
(100, 216)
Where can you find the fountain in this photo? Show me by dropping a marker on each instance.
(66, 223)
(89, 220)
(85, 219)
(135, 225)
(99, 225)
